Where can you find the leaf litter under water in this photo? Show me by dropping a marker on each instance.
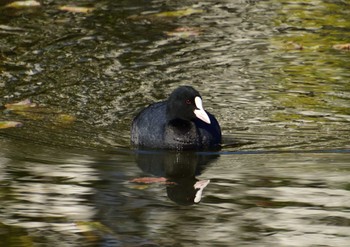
(10, 124)
(23, 4)
(184, 32)
(76, 9)
(343, 47)
(26, 108)
(21, 105)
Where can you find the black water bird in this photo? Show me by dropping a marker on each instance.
(179, 123)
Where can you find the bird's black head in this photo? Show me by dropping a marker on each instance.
(186, 103)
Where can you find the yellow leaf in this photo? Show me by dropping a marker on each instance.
(23, 4)
(342, 47)
(75, 9)
(184, 32)
(20, 106)
(9, 124)
(65, 119)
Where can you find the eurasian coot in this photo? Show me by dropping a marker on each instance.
(177, 123)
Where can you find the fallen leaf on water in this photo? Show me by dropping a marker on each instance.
(9, 124)
(23, 4)
(184, 32)
(148, 180)
(9, 28)
(28, 109)
(75, 9)
(342, 47)
(65, 119)
(20, 106)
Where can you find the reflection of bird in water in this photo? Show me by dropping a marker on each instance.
(187, 192)
(178, 170)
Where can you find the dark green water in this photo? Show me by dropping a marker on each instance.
(273, 74)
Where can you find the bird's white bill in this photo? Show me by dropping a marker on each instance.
(200, 112)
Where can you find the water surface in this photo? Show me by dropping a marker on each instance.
(272, 73)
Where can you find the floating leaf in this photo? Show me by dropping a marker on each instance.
(32, 111)
(9, 124)
(75, 9)
(22, 4)
(342, 47)
(21, 106)
(65, 119)
(27, 109)
(184, 32)
(9, 28)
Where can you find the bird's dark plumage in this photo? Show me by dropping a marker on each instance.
(180, 122)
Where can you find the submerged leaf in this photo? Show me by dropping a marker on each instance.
(9, 28)
(65, 119)
(342, 47)
(33, 111)
(184, 32)
(75, 9)
(23, 4)
(9, 124)
(27, 109)
(21, 106)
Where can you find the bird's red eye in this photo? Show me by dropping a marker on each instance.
(188, 102)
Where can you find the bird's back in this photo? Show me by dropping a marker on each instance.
(148, 126)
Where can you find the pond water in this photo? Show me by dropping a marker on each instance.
(274, 73)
